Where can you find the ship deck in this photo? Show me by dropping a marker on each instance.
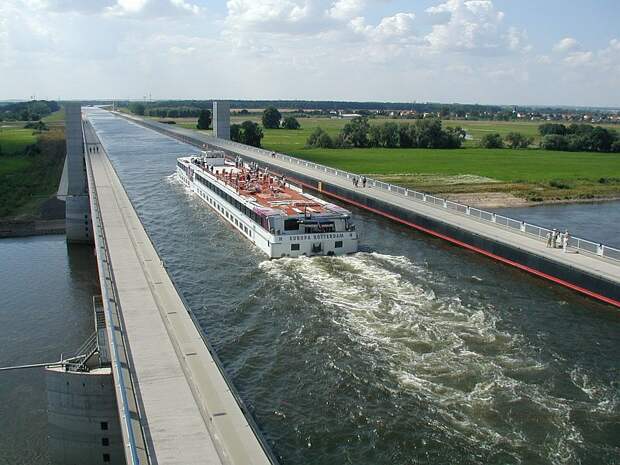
(267, 190)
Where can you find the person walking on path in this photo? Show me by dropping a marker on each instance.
(364, 181)
(565, 239)
(549, 239)
(554, 238)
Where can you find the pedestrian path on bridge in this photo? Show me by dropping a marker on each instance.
(188, 412)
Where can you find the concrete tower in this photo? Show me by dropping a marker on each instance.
(221, 120)
(78, 221)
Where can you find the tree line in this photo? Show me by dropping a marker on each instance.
(248, 133)
(578, 138)
(28, 111)
(141, 109)
(359, 133)
(559, 137)
(272, 119)
(513, 140)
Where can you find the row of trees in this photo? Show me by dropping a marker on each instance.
(248, 132)
(513, 140)
(272, 119)
(141, 109)
(28, 111)
(578, 138)
(426, 133)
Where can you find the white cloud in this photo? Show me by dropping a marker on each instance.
(86, 7)
(578, 58)
(565, 45)
(321, 49)
(274, 16)
(152, 8)
(346, 9)
(401, 24)
(473, 26)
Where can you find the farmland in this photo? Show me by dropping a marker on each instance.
(14, 139)
(26, 181)
(526, 176)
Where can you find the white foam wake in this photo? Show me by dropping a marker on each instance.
(451, 354)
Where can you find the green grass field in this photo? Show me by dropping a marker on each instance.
(500, 164)
(13, 139)
(293, 140)
(26, 181)
(286, 140)
(56, 117)
(523, 173)
(532, 174)
(12, 164)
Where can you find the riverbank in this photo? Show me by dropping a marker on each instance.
(504, 200)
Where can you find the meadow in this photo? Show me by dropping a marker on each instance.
(529, 174)
(56, 117)
(14, 139)
(26, 181)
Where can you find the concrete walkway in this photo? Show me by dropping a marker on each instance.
(187, 409)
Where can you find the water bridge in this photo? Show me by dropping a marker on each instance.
(587, 267)
(148, 388)
(174, 402)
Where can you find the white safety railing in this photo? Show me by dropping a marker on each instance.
(531, 230)
(522, 227)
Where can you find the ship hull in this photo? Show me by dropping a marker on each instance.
(274, 246)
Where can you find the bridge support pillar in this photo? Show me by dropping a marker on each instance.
(78, 218)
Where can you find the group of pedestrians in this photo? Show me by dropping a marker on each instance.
(557, 239)
(356, 181)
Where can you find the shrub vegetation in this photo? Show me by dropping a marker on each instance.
(359, 133)
(579, 138)
(248, 133)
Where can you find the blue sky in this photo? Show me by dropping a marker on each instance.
(470, 51)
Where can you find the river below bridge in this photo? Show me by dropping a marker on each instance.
(409, 352)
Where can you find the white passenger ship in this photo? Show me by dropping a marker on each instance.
(276, 216)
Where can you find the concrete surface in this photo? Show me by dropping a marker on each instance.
(187, 410)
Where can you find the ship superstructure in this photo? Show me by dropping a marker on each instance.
(278, 217)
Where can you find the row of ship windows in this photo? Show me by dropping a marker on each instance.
(216, 205)
(234, 202)
(337, 245)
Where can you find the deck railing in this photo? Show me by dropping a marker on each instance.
(532, 230)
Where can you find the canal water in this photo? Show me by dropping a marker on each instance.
(598, 222)
(409, 352)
